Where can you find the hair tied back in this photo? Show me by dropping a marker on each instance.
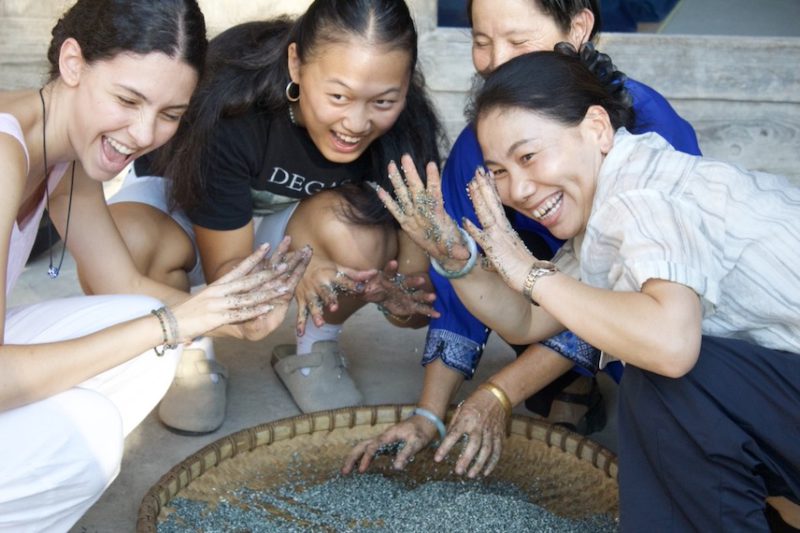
(602, 67)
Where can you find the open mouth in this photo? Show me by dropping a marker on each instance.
(116, 153)
(345, 142)
(548, 208)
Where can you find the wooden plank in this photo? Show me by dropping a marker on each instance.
(759, 136)
(710, 67)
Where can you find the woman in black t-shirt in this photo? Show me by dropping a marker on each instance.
(287, 135)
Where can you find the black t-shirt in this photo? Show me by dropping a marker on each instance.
(260, 163)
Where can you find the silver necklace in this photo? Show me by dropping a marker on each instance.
(53, 271)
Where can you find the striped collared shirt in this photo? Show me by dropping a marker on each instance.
(731, 235)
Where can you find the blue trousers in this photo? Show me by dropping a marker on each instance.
(702, 452)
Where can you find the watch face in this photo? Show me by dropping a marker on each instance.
(545, 265)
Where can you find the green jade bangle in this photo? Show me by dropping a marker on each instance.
(467, 268)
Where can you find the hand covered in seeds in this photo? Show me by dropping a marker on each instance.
(479, 423)
(399, 294)
(419, 209)
(414, 434)
(253, 289)
(501, 245)
(321, 287)
(296, 263)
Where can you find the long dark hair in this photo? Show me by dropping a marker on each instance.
(561, 11)
(248, 66)
(560, 85)
(105, 28)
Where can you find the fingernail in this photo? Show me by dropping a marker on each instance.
(359, 287)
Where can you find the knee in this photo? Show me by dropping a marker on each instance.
(321, 221)
(157, 244)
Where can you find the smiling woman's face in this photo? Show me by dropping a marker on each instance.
(350, 94)
(543, 169)
(127, 106)
(505, 29)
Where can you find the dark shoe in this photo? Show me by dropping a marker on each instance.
(583, 413)
(593, 420)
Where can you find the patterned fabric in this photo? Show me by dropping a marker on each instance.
(729, 234)
(576, 350)
(456, 351)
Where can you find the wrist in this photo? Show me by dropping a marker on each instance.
(465, 268)
(433, 419)
(400, 319)
(537, 271)
(499, 394)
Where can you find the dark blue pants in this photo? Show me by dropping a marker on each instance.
(701, 453)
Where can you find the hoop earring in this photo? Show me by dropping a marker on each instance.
(289, 88)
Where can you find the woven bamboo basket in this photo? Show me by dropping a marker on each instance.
(561, 471)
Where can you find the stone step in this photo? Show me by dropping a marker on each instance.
(23, 47)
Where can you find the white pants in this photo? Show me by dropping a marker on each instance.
(58, 455)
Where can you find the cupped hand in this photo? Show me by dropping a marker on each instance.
(501, 245)
(480, 424)
(296, 263)
(406, 438)
(420, 211)
(247, 292)
(321, 286)
(401, 295)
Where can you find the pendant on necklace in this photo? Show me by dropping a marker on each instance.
(53, 272)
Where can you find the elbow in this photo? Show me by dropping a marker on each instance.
(679, 356)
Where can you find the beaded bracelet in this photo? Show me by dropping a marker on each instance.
(434, 419)
(472, 246)
(389, 314)
(498, 393)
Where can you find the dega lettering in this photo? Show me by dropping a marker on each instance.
(295, 182)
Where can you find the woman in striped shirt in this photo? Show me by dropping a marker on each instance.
(680, 266)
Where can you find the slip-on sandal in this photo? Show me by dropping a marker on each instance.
(195, 402)
(328, 384)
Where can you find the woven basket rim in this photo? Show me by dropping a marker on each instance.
(245, 440)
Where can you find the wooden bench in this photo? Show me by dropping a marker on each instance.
(741, 94)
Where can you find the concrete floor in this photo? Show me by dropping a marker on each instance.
(384, 362)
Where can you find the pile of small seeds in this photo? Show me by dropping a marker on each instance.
(375, 503)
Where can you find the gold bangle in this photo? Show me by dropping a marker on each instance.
(388, 314)
(498, 393)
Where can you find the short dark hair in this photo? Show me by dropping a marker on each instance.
(105, 28)
(561, 12)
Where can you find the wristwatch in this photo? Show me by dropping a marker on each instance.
(539, 269)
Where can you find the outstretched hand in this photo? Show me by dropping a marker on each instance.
(501, 245)
(401, 295)
(251, 290)
(403, 440)
(479, 423)
(420, 211)
(320, 288)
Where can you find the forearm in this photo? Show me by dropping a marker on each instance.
(29, 373)
(657, 329)
(503, 309)
(440, 385)
(536, 368)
